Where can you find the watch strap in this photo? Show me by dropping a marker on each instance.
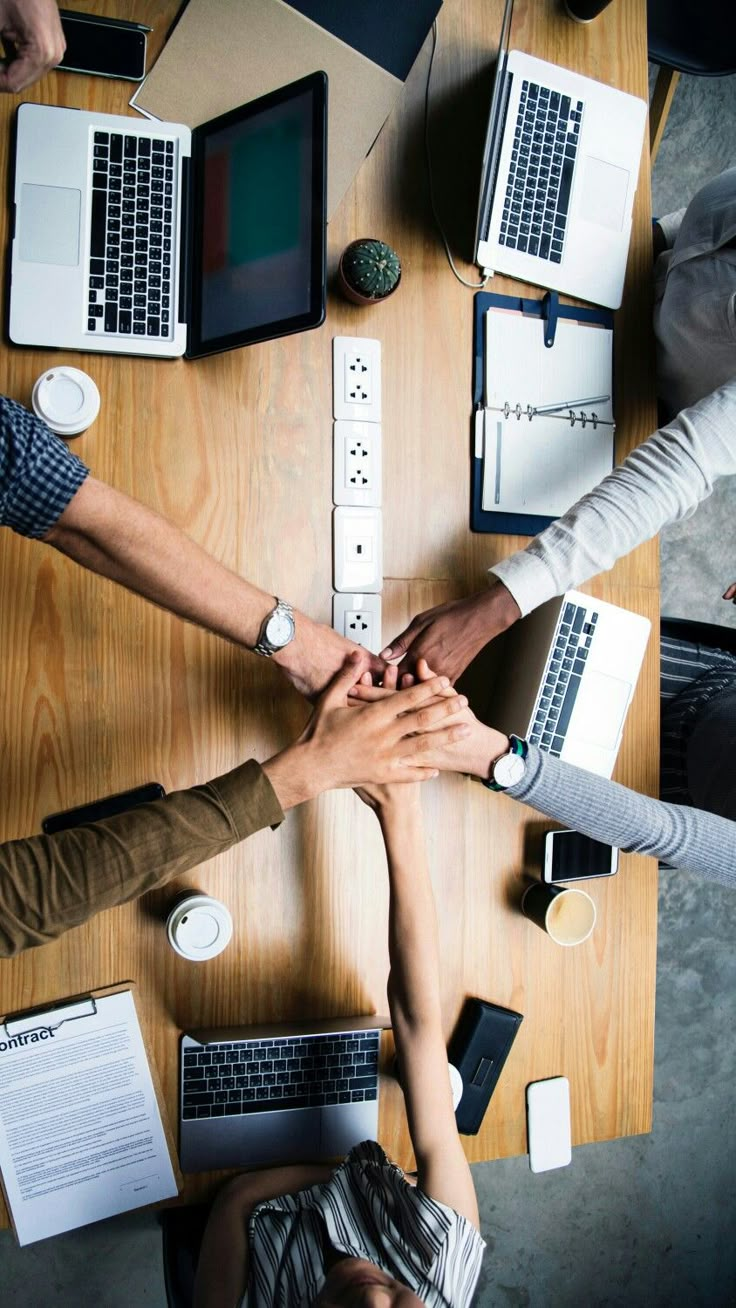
(516, 746)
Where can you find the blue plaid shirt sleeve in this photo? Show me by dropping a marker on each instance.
(38, 474)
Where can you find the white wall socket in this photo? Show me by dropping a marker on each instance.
(356, 464)
(357, 538)
(356, 378)
(358, 617)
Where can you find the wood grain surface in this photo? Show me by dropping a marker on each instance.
(103, 691)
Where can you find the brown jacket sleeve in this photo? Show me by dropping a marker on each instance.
(51, 883)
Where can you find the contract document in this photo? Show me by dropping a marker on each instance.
(81, 1132)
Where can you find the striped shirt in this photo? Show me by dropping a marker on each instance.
(698, 696)
(366, 1210)
(38, 474)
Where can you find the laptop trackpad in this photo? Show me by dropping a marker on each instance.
(600, 709)
(603, 198)
(49, 224)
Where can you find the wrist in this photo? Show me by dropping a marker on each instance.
(498, 605)
(488, 746)
(294, 775)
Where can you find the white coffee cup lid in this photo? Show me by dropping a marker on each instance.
(66, 399)
(199, 927)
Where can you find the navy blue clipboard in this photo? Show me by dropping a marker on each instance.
(548, 310)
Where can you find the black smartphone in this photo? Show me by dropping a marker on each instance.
(102, 808)
(107, 47)
(568, 856)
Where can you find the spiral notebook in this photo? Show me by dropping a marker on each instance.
(543, 425)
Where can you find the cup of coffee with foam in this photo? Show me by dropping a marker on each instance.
(566, 914)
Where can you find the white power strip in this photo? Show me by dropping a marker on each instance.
(357, 534)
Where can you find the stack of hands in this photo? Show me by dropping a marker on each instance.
(362, 735)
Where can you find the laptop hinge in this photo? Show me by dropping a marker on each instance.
(495, 159)
(185, 243)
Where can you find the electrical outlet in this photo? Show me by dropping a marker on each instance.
(358, 549)
(356, 465)
(359, 618)
(356, 378)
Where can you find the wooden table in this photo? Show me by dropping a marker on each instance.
(103, 691)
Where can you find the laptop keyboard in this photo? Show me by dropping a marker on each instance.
(537, 196)
(561, 684)
(131, 251)
(257, 1076)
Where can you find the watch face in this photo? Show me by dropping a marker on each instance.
(508, 769)
(279, 629)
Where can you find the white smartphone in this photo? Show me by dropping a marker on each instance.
(548, 1124)
(568, 856)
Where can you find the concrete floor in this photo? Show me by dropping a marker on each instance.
(645, 1222)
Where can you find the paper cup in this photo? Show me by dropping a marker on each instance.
(66, 399)
(567, 915)
(199, 927)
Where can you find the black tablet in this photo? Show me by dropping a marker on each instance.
(258, 218)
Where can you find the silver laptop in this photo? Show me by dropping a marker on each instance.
(567, 677)
(558, 179)
(141, 237)
(278, 1093)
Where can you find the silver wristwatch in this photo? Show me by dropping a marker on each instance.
(278, 630)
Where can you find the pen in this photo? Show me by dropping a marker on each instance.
(572, 404)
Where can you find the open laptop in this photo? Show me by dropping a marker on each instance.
(567, 677)
(559, 174)
(278, 1093)
(141, 237)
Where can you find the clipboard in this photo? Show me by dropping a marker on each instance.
(548, 310)
(28, 1023)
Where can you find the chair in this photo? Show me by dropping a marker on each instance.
(686, 36)
(700, 633)
(182, 1231)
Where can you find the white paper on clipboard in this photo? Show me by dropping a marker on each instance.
(81, 1135)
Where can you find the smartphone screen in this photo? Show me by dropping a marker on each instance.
(574, 857)
(102, 808)
(93, 47)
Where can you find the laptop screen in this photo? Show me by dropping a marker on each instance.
(258, 238)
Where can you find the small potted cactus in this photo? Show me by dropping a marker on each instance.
(369, 271)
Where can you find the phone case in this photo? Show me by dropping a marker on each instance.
(548, 1123)
(478, 1049)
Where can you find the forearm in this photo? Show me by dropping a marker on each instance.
(223, 1266)
(661, 482)
(414, 988)
(122, 539)
(51, 883)
(683, 837)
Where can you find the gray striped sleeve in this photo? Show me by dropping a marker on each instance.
(681, 836)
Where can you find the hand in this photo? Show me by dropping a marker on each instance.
(361, 744)
(316, 653)
(450, 635)
(731, 593)
(474, 753)
(32, 30)
(354, 744)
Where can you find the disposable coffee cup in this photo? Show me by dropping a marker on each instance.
(199, 927)
(66, 399)
(567, 915)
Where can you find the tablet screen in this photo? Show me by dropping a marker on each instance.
(259, 219)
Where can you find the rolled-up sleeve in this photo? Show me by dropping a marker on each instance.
(38, 474)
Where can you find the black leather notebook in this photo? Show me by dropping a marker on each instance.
(479, 1048)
